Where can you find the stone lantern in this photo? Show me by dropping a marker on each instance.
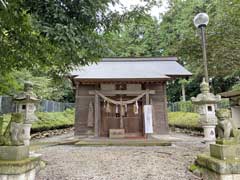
(206, 105)
(26, 104)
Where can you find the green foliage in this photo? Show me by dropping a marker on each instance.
(52, 36)
(236, 87)
(141, 35)
(1, 125)
(6, 120)
(43, 86)
(5, 136)
(21, 45)
(217, 85)
(73, 28)
(53, 120)
(48, 120)
(17, 117)
(224, 103)
(180, 37)
(3, 3)
(138, 35)
(183, 81)
(49, 38)
(184, 120)
(193, 167)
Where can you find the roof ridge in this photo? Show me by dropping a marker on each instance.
(133, 59)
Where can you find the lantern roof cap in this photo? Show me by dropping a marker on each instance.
(27, 94)
(205, 97)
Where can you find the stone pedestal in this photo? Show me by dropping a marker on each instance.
(225, 152)
(116, 133)
(209, 133)
(16, 163)
(223, 162)
(14, 153)
(20, 170)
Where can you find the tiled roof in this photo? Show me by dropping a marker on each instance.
(132, 68)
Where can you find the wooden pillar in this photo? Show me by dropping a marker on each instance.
(147, 97)
(121, 115)
(76, 92)
(147, 135)
(96, 115)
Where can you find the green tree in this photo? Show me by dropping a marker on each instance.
(44, 87)
(181, 38)
(138, 35)
(52, 36)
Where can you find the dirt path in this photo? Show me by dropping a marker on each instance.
(120, 163)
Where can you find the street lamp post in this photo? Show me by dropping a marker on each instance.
(200, 21)
(206, 101)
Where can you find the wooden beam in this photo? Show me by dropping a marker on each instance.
(96, 116)
(127, 92)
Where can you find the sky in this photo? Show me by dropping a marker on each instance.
(154, 12)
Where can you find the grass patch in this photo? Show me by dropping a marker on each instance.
(48, 120)
(186, 120)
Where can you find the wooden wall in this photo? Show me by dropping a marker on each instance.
(82, 104)
(159, 102)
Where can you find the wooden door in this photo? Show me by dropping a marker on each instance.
(133, 123)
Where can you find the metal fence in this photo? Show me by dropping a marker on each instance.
(7, 105)
(181, 106)
(187, 106)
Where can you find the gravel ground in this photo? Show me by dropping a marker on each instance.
(120, 163)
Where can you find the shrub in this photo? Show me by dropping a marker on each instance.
(48, 120)
(53, 120)
(186, 120)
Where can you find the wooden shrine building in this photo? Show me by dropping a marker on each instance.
(110, 95)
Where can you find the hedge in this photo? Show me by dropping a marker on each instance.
(48, 120)
(186, 120)
(53, 120)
